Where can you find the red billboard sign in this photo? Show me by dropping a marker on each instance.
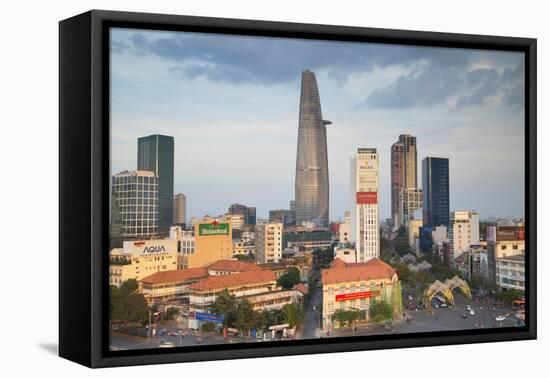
(367, 198)
(510, 233)
(358, 295)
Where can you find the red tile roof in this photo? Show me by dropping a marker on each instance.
(348, 272)
(230, 280)
(234, 266)
(301, 288)
(176, 275)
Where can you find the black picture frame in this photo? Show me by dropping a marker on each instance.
(84, 182)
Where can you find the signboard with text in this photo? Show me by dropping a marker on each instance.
(213, 229)
(208, 317)
(148, 247)
(358, 295)
(367, 198)
(504, 233)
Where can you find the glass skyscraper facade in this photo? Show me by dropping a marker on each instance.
(311, 185)
(435, 192)
(156, 154)
(134, 204)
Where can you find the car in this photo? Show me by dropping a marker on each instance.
(314, 308)
(443, 305)
(468, 308)
(410, 297)
(472, 312)
(436, 305)
(166, 344)
(500, 318)
(464, 316)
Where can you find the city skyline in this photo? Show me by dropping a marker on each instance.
(253, 136)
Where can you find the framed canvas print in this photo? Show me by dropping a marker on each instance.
(234, 188)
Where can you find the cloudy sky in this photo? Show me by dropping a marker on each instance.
(231, 103)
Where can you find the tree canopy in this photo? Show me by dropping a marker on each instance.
(127, 304)
(290, 278)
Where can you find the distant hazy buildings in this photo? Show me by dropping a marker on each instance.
(284, 216)
(134, 204)
(312, 183)
(435, 191)
(249, 213)
(269, 242)
(403, 174)
(365, 217)
(180, 209)
(156, 154)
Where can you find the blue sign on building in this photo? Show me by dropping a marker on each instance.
(208, 317)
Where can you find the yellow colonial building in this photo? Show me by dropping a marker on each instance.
(141, 258)
(213, 242)
(171, 284)
(354, 286)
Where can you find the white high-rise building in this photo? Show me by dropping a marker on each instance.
(463, 231)
(344, 228)
(269, 242)
(366, 210)
(135, 203)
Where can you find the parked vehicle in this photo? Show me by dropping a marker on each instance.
(472, 312)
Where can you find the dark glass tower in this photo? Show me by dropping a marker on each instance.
(156, 154)
(435, 192)
(311, 185)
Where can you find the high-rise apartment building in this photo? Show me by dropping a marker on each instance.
(366, 210)
(435, 192)
(463, 232)
(410, 199)
(269, 242)
(312, 183)
(134, 204)
(403, 173)
(156, 154)
(180, 209)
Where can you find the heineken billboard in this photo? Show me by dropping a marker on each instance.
(210, 229)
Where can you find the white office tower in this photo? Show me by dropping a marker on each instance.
(366, 228)
(463, 231)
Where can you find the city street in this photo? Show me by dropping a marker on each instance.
(311, 325)
(442, 319)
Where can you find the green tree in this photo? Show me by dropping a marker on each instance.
(509, 296)
(341, 317)
(244, 316)
(126, 303)
(225, 305)
(260, 319)
(274, 317)
(403, 271)
(290, 278)
(208, 327)
(353, 316)
(294, 314)
(172, 313)
(380, 311)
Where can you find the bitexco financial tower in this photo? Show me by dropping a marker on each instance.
(311, 185)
